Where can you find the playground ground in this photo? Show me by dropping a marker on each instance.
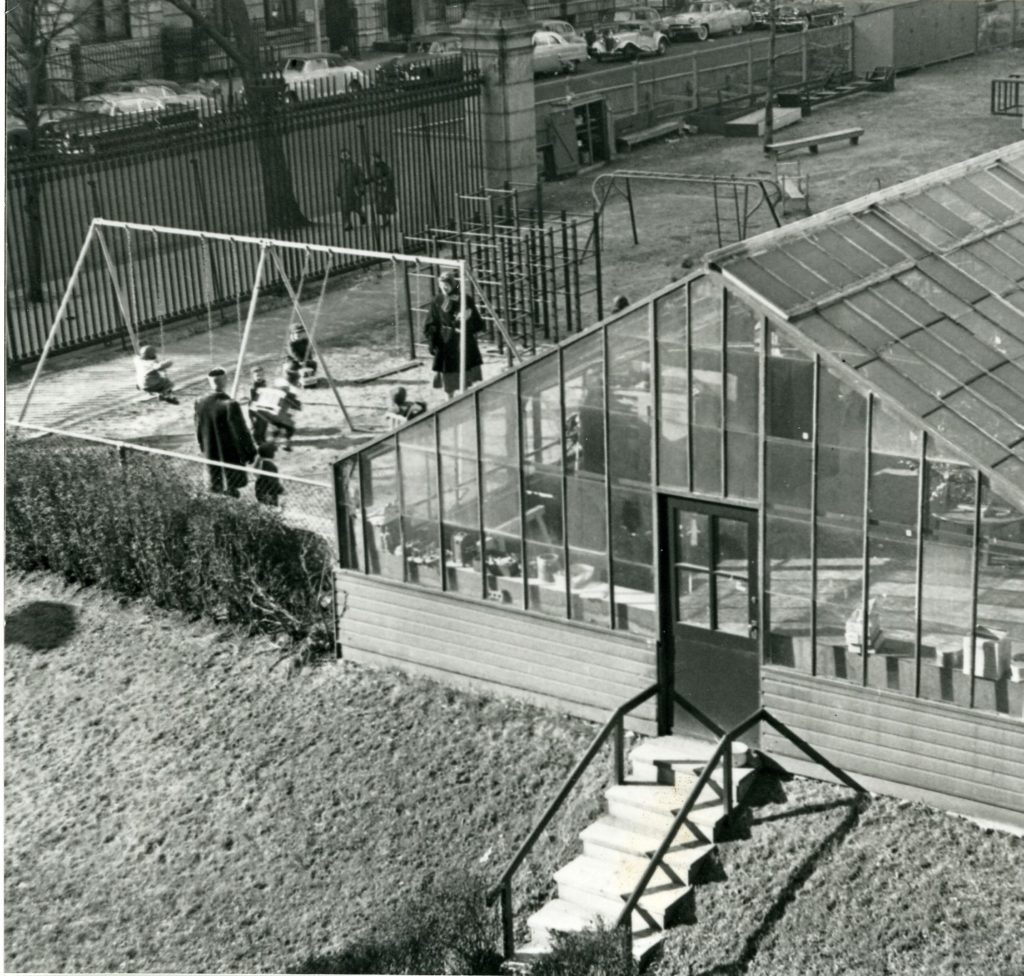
(936, 116)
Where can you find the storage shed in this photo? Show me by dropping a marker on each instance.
(794, 479)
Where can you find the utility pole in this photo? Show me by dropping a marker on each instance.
(769, 116)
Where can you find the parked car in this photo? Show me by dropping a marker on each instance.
(553, 54)
(631, 15)
(428, 58)
(627, 40)
(702, 18)
(308, 76)
(799, 16)
(564, 28)
(108, 120)
(168, 92)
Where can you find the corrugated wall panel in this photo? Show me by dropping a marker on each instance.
(968, 762)
(576, 669)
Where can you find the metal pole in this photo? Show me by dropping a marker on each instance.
(632, 212)
(597, 264)
(463, 325)
(769, 116)
(117, 291)
(253, 298)
(58, 318)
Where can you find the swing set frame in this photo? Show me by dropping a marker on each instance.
(270, 250)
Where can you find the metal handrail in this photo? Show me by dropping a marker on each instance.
(504, 885)
(724, 748)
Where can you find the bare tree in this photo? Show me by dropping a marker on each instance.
(36, 31)
(264, 101)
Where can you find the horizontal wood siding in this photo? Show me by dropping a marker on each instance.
(968, 762)
(476, 645)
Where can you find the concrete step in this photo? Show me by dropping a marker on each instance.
(653, 807)
(610, 839)
(605, 886)
(559, 915)
(643, 947)
(685, 776)
(658, 760)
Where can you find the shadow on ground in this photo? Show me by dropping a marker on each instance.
(40, 625)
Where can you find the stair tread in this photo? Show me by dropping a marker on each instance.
(613, 832)
(680, 749)
(646, 773)
(565, 916)
(611, 842)
(620, 878)
(666, 799)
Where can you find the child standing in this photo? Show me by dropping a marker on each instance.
(275, 406)
(268, 488)
(150, 376)
(257, 422)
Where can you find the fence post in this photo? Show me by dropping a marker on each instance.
(620, 748)
(507, 922)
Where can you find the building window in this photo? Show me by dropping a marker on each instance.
(107, 20)
(280, 13)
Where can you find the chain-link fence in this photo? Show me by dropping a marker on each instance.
(302, 502)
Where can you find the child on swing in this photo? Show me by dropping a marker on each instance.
(298, 349)
(275, 405)
(150, 375)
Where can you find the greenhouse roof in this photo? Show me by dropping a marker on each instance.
(919, 291)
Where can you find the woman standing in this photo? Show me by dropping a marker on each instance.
(443, 332)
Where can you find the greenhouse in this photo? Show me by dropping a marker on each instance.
(795, 478)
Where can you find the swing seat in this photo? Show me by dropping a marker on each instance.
(308, 377)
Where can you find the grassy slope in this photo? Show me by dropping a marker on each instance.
(175, 805)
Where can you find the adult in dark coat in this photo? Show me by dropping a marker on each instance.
(382, 182)
(443, 334)
(350, 189)
(223, 436)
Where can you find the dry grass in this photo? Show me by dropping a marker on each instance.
(173, 805)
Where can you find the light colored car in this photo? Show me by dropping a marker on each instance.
(114, 104)
(702, 18)
(799, 16)
(553, 54)
(309, 76)
(564, 28)
(631, 15)
(627, 40)
(169, 93)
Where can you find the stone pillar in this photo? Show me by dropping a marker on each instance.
(499, 35)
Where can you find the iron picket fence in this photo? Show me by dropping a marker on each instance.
(225, 169)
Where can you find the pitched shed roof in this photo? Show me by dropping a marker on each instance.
(919, 291)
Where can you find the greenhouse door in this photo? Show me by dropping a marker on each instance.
(709, 574)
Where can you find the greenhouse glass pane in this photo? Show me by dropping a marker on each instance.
(743, 331)
(586, 489)
(801, 279)
(706, 406)
(673, 413)
(421, 510)
(826, 266)
(351, 544)
(633, 560)
(894, 235)
(379, 477)
(832, 242)
(630, 404)
(875, 238)
(460, 499)
(917, 223)
(777, 292)
(952, 279)
(967, 189)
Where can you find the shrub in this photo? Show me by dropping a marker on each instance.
(445, 927)
(139, 528)
(597, 952)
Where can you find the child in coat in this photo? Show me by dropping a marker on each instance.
(268, 488)
(150, 375)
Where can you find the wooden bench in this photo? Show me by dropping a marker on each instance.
(812, 142)
(631, 139)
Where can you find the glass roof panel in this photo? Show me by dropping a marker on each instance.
(1000, 260)
(896, 385)
(985, 330)
(940, 298)
(962, 343)
(1016, 231)
(795, 275)
(1012, 468)
(885, 315)
(919, 371)
(968, 189)
(952, 279)
(859, 233)
(979, 413)
(837, 247)
(938, 354)
(825, 266)
(862, 330)
(1010, 191)
(1011, 375)
(1006, 317)
(944, 217)
(1011, 246)
(775, 291)
(834, 340)
(918, 224)
(967, 437)
(911, 305)
(896, 236)
(1016, 299)
(981, 272)
(994, 392)
(962, 208)
(1009, 174)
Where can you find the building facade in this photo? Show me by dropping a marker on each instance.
(794, 479)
